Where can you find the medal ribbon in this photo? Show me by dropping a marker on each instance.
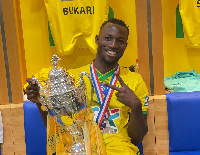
(103, 101)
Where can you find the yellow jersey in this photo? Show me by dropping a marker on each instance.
(75, 23)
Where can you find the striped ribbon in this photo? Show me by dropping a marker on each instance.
(103, 114)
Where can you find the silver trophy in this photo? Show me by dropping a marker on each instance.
(62, 96)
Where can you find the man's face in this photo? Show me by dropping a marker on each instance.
(112, 42)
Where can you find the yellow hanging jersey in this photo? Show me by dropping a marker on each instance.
(75, 23)
(190, 13)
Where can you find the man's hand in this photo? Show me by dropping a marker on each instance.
(32, 91)
(137, 127)
(125, 95)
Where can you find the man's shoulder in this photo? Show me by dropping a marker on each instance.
(125, 72)
(77, 71)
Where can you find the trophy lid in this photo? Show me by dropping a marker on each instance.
(58, 81)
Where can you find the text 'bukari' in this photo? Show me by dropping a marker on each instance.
(78, 10)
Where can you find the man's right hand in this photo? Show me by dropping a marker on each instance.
(32, 91)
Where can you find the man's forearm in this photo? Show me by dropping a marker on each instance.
(137, 127)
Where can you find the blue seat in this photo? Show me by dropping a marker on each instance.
(185, 153)
(35, 130)
(184, 123)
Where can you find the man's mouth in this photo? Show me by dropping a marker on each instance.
(111, 53)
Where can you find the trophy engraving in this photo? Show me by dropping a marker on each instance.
(66, 99)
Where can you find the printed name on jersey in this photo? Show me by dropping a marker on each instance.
(78, 10)
(198, 3)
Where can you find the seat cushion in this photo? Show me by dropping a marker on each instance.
(183, 121)
(185, 153)
(35, 130)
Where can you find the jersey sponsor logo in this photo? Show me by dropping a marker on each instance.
(146, 99)
(78, 10)
(113, 114)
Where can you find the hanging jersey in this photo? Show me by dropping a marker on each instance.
(75, 23)
(190, 12)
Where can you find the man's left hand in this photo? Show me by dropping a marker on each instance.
(125, 95)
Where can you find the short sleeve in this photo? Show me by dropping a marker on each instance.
(142, 93)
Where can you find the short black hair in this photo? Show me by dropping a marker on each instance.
(115, 21)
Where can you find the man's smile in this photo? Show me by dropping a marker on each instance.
(111, 53)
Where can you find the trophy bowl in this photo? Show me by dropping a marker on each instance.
(66, 100)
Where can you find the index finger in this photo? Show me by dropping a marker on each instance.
(119, 79)
(30, 81)
(111, 86)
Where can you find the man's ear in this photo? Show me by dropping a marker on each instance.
(97, 39)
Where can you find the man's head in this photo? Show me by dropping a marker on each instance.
(115, 21)
(112, 41)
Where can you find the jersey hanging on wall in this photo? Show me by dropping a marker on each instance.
(190, 13)
(75, 23)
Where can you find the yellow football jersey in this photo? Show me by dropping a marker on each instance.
(190, 12)
(75, 23)
(119, 143)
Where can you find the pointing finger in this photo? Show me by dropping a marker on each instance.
(120, 79)
(111, 86)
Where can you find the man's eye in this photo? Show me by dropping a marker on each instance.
(107, 38)
(121, 41)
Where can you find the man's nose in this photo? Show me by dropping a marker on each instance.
(113, 43)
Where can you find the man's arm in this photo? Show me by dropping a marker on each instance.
(137, 127)
(32, 91)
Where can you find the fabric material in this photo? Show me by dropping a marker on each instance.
(183, 121)
(183, 82)
(75, 23)
(103, 94)
(185, 153)
(179, 24)
(35, 130)
(190, 13)
(59, 140)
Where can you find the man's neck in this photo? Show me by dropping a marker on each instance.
(103, 67)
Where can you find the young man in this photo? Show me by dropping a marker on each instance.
(121, 97)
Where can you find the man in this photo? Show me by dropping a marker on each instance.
(121, 98)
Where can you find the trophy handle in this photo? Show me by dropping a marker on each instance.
(91, 83)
